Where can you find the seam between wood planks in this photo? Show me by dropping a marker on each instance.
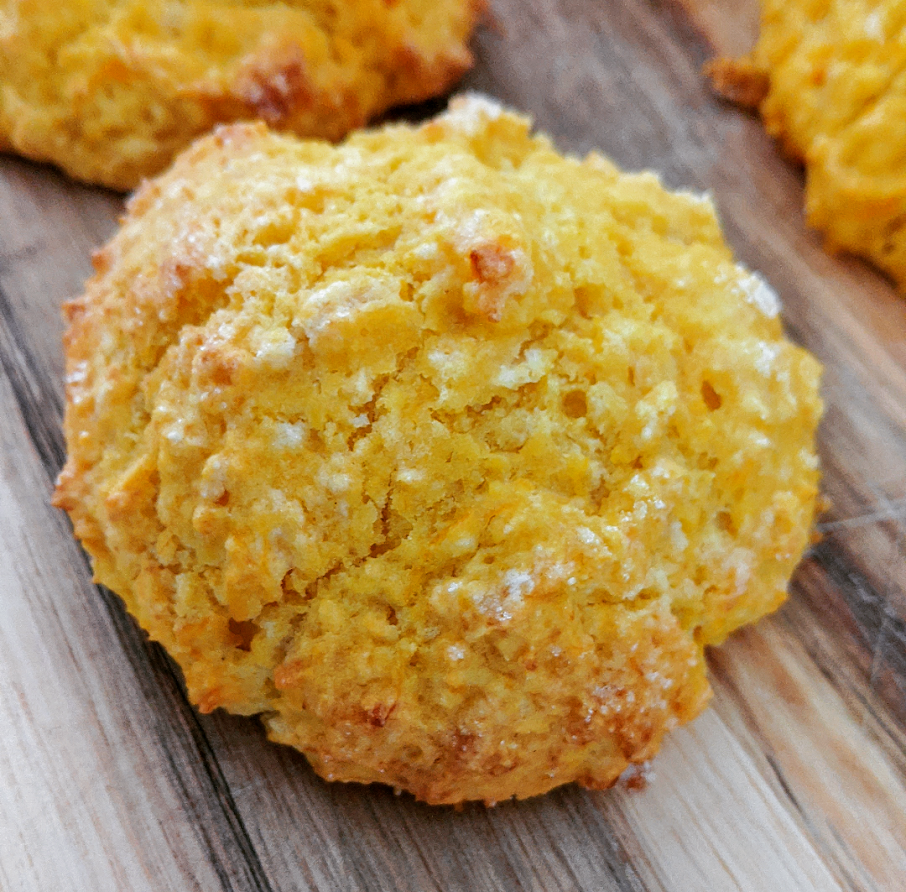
(802, 814)
(30, 391)
(34, 396)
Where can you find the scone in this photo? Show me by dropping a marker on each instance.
(443, 452)
(111, 90)
(830, 80)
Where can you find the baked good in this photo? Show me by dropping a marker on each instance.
(111, 90)
(444, 452)
(830, 81)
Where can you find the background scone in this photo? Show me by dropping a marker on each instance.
(111, 90)
(446, 453)
(832, 75)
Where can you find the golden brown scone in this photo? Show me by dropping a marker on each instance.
(111, 90)
(446, 453)
(836, 98)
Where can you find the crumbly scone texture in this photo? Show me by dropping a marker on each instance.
(836, 98)
(444, 452)
(111, 90)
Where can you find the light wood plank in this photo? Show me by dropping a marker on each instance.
(797, 724)
(714, 823)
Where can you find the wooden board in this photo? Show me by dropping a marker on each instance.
(795, 779)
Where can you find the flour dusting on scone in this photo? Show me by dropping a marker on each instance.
(444, 452)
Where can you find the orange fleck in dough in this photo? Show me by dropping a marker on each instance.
(836, 99)
(447, 454)
(111, 90)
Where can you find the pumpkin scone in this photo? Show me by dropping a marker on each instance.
(111, 90)
(829, 78)
(444, 452)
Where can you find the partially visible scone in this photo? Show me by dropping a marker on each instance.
(444, 452)
(111, 90)
(834, 79)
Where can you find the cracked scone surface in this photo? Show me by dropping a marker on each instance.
(836, 98)
(111, 90)
(444, 452)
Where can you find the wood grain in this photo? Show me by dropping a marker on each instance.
(795, 779)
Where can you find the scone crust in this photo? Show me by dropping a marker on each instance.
(836, 99)
(111, 90)
(444, 452)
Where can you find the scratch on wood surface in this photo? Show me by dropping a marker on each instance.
(886, 644)
(877, 654)
(10, 258)
(887, 636)
(893, 509)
